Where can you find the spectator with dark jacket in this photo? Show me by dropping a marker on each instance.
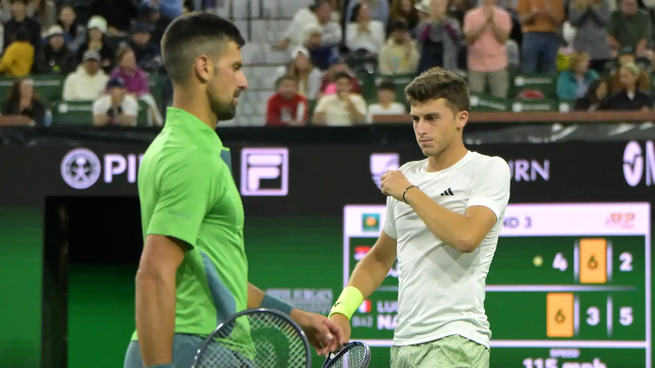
(630, 98)
(151, 16)
(147, 54)
(96, 41)
(118, 14)
(74, 32)
(594, 99)
(56, 58)
(439, 39)
(20, 20)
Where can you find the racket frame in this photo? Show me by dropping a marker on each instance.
(235, 316)
(347, 348)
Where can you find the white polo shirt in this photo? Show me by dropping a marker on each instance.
(441, 290)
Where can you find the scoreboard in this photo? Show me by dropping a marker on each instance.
(569, 285)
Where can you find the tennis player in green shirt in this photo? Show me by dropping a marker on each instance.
(193, 272)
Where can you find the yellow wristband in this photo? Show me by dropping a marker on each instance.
(349, 300)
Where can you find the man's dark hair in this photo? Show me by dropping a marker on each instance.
(192, 35)
(437, 83)
(341, 75)
(387, 85)
(21, 35)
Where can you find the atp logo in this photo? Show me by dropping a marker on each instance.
(264, 172)
(80, 168)
(381, 163)
(636, 163)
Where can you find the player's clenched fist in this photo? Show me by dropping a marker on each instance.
(394, 184)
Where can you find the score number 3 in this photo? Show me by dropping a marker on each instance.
(625, 316)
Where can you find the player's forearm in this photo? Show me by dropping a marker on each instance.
(369, 273)
(450, 227)
(155, 317)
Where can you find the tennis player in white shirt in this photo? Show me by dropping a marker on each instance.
(444, 215)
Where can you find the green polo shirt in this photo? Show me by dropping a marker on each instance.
(186, 191)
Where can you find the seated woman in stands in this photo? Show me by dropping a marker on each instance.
(136, 82)
(24, 104)
(630, 97)
(573, 83)
(96, 40)
(301, 68)
(594, 98)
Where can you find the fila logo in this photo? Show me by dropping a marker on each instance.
(264, 172)
(447, 192)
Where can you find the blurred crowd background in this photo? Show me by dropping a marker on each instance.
(328, 62)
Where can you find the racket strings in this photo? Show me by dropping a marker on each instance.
(255, 341)
(355, 357)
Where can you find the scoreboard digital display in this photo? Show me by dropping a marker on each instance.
(569, 285)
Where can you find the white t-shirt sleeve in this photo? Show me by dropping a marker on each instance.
(491, 188)
(130, 106)
(101, 106)
(389, 223)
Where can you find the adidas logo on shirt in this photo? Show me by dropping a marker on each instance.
(447, 192)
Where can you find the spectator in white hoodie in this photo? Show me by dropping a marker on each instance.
(320, 15)
(88, 82)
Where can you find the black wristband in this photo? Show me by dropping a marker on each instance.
(406, 189)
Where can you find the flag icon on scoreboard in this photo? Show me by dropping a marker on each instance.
(371, 222)
(360, 251)
(365, 307)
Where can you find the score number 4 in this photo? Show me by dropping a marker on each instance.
(625, 316)
(560, 262)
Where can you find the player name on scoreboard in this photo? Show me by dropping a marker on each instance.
(584, 290)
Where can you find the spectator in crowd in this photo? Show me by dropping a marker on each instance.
(573, 83)
(626, 56)
(439, 39)
(116, 107)
(147, 54)
(74, 33)
(630, 97)
(19, 56)
(151, 16)
(20, 20)
(364, 35)
(88, 82)
(23, 101)
(302, 69)
(590, 17)
(486, 29)
(630, 27)
(541, 21)
(287, 106)
(342, 108)
(378, 9)
(403, 11)
(169, 9)
(118, 14)
(593, 100)
(387, 104)
(97, 41)
(56, 58)
(328, 84)
(319, 54)
(136, 82)
(400, 54)
(319, 14)
(43, 11)
(457, 9)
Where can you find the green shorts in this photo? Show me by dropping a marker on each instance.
(450, 352)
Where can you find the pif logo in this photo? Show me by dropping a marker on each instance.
(264, 172)
(622, 220)
(636, 163)
(370, 222)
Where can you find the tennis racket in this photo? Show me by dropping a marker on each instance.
(355, 354)
(255, 338)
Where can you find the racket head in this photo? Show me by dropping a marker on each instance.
(255, 338)
(359, 356)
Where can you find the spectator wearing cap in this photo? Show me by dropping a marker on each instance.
(630, 27)
(400, 54)
(170, 9)
(96, 40)
(590, 18)
(19, 56)
(438, 38)
(319, 14)
(338, 65)
(486, 29)
(56, 58)
(378, 9)
(88, 82)
(541, 21)
(626, 56)
(116, 107)
(136, 82)
(287, 107)
(148, 57)
(343, 108)
(364, 35)
(320, 54)
(307, 75)
(403, 11)
(387, 104)
(118, 14)
(24, 102)
(573, 83)
(20, 20)
(630, 97)
(74, 32)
